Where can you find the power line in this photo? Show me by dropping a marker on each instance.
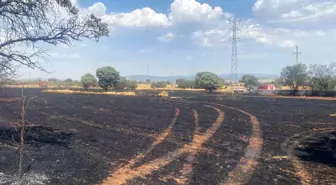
(297, 53)
(234, 39)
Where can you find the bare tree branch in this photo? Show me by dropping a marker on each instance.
(25, 25)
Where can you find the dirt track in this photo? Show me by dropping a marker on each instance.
(205, 140)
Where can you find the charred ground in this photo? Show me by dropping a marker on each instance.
(86, 139)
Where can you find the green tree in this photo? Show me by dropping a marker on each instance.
(208, 81)
(132, 85)
(179, 80)
(323, 77)
(161, 84)
(108, 77)
(222, 82)
(68, 82)
(124, 84)
(250, 80)
(52, 80)
(278, 82)
(121, 84)
(88, 80)
(182, 83)
(295, 76)
(77, 83)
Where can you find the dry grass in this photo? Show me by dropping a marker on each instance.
(284, 87)
(87, 92)
(10, 99)
(23, 86)
(163, 94)
(144, 86)
(304, 97)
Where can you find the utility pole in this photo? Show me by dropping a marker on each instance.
(297, 53)
(147, 70)
(234, 39)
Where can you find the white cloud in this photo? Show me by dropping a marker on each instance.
(74, 2)
(145, 17)
(288, 44)
(263, 35)
(97, 9)
(191, 10)
(180, 11)
(302, 11)
(312, 12)
(274, 4)
(210, 37)
(166, 37)
(254, 31)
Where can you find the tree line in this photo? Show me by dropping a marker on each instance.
(319, 77)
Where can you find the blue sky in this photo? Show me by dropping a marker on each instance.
(184, 37)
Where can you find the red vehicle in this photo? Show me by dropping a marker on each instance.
(266, 87)
(42, 84)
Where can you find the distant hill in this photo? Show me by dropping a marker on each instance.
(191, 77)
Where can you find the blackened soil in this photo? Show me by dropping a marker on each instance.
(81, 139)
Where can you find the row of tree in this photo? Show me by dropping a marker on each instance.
(318, 77)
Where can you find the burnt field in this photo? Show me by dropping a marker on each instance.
(196, 139)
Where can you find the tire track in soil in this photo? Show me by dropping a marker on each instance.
(289, 146)
(242, 173)
(124, 174)
(187, 169)
(179, 170)
(181, 134)
(157, 140)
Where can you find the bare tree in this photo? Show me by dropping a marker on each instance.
(6, 75)
(22, 133)
(26, 26)
(323, 77)
(23, 128)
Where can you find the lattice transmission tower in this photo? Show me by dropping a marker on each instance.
(234, 39)
(297, 54)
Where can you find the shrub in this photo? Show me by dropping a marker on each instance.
(163, 94)
(161, 84)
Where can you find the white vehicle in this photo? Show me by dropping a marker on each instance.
(239, 91)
